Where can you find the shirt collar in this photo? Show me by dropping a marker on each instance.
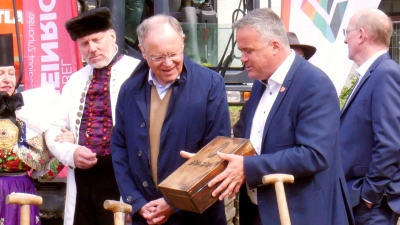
(153, 81)
(362, 70)
(279, 75)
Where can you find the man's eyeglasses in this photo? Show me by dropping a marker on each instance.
(346, 32)
(161, 58)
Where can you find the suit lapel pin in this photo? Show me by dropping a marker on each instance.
(282, 89)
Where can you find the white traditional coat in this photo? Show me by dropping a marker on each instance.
(67, 117)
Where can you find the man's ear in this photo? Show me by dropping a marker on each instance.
(113, 35)
(276, 46)
(362, 35)
(142, 51)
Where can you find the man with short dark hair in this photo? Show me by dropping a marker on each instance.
(87, 108)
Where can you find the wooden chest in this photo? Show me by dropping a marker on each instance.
(187, 189)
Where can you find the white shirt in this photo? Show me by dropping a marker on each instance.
(362, 70)
(264, 107)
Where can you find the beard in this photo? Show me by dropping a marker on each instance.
(100, 64)
(106, 59)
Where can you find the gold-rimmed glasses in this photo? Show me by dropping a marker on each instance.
(161, 58)
(346, 31)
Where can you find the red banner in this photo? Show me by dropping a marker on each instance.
(50, 56)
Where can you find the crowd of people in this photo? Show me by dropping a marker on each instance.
(122, 122)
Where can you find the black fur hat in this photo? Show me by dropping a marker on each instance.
(89, 22)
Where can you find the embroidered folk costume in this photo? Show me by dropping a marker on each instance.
(88, 110)
(95, 133)
(13, 140)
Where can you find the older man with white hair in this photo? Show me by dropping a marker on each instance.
(87, 108)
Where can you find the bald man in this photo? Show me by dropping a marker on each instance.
(369, 137)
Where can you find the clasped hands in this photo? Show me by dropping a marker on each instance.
(156, 212)
(230, 180)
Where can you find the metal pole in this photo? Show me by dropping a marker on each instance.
(117, 9)
(256, 4)
(18, 44)
(161, 7)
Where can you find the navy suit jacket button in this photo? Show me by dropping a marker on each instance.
(142, 124)
(145, 184)
(139, 153)
(129, 199)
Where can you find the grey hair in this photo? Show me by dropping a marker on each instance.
(267, 23)
(378, 25)
(155, 21)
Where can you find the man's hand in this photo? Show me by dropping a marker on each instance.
(158, 216)
(128, 218)
(148, 209)
(186, 155)
(84, 158)
(369, 205)
(231, 178)
(65, 136)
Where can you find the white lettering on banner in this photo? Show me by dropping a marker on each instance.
(50, 68)
(50, 28)
(66, 71)
(47, 8)
(5, 16)
(50, 55)
(31, 33)
(31, 47)
(31, 70)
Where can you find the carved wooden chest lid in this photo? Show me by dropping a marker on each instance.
(186, 188)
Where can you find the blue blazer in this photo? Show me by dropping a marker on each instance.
(370, 135)
(300, 138)
(197, 113)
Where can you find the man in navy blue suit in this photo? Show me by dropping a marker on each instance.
(292, 121)
(369, 137)
(169, 103)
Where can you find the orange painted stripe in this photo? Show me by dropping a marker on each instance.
(309, 10)
(285, 13)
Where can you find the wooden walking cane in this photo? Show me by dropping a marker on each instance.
(278, 179)
(25, 200)
(119, 209)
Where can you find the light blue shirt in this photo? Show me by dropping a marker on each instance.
(161, 90)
